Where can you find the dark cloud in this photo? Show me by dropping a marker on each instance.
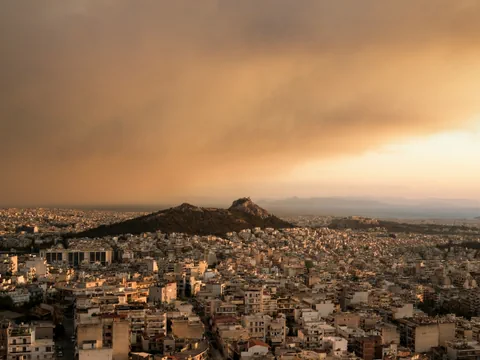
(121, 101)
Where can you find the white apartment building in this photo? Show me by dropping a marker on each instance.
(312, 335)
(155, 323)
(22, 344)
(19, 296)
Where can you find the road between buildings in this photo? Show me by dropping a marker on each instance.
(65, 341)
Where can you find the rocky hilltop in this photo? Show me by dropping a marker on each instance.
(190, 219)
(247, 206)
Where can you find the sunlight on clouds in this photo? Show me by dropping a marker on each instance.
(443, 164)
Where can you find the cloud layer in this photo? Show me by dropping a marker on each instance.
(120, 101)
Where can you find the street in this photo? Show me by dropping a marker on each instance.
(215, 354)
(65, 341)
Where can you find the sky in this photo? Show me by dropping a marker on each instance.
(127, 102)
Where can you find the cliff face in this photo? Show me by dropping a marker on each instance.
(247, 206)
(190, 219)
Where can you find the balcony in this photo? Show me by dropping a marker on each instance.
(27, 351)
(277, 340)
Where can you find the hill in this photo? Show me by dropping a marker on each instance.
(190, 219)
(384, 208)
(361, 223)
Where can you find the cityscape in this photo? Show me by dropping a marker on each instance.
(240, 180)
(325, 288)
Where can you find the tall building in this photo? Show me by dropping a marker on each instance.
(103, 336)
(254, 300)
(423, 334)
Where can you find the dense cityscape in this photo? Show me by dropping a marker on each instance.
(329, 288)
(131, 129)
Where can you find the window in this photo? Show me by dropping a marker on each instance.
(36, 349)
(49, 348)
(14, 342)
(24, 341)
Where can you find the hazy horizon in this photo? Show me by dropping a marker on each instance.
(120, 102)
(369, 206)
(202, 200)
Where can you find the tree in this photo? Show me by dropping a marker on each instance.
(6, 303)
(308, 264)
(59, 330)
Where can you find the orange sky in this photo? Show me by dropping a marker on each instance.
(108, 101)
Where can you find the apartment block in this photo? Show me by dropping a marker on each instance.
(266, 328)
(163, 293)
(24, 345)
(368, 348)
(8, 264)
(75, 256)
(423, 334)
(104, 332)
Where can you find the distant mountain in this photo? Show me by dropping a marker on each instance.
(376, 207)
(360, 223)
(190, 219)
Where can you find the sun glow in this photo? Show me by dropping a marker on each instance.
(445, 165)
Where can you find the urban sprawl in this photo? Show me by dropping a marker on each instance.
(310, 292)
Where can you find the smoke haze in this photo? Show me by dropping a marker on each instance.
(126, 101)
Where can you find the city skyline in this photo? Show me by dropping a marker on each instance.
(109, 102)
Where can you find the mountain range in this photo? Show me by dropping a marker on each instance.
(190, 219)
(376, 207)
